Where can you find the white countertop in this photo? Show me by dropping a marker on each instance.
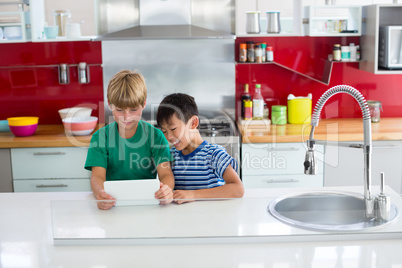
(26, 240)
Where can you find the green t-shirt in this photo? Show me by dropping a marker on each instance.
(128, 159)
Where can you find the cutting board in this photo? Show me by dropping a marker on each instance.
(133, 192)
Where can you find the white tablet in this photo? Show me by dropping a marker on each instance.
(133, 192)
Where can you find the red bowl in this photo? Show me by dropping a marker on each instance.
(23, 131)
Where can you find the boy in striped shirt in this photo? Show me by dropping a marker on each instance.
(201, 169)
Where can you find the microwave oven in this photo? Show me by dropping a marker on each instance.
(390, 47)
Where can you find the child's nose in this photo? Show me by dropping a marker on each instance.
(169, 136)
(127, 115)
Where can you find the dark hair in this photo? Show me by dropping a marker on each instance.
(179, 104)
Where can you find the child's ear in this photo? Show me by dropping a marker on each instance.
(194, 121)
(145, 103)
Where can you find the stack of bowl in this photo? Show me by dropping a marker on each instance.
(23, 126)
(78, 121)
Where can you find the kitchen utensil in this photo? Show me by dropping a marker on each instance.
(299, 109)
(4, 126)
(73, 30)
(375, 108)
(75, 112)
(80, 126)
(61, 18)
(22, 121)
(273, 22)
(51, 31)
(133, 192)
(253, 22)
(23, 131)
(278, 115)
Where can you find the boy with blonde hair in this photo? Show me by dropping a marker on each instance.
(129, 148)
(201, 169)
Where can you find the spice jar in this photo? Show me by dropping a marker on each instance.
(336, 52)
(270, 54)
(374, 107)
(345, 53)
(243, 52)
(263, 49)
(250, 52)
(258, 53)
(278, 115)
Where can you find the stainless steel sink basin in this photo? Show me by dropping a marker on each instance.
(326, 211)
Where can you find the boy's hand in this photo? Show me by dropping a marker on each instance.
(102, 195)
(181, 194)
(164, 192)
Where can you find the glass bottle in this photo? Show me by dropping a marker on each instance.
(258, 103)
(374, 108)
(244, 97)
(248, 110)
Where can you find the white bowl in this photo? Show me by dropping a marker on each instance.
(12, 32)
(80, 126)
(75, 112)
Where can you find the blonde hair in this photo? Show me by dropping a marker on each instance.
(127, 89)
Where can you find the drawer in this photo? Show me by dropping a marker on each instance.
(44, 163)
(276, 158)
(52, 185)
(283, 181)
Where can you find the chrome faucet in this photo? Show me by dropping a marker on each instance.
(310, 167)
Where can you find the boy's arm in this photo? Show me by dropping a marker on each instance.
(233, 188)
(167, 182)
(98, 177)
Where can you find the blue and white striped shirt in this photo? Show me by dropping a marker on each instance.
(203, 168)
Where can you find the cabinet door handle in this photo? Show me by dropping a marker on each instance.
(386, 147)
(284, 149)
(50, 153)
(51, 185)
(281, 181)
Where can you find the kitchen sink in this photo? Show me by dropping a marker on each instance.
(326, 211)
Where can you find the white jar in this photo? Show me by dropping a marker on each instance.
(345, 53)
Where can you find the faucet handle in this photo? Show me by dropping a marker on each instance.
(310, 167)
(382, 185)
(383, 202)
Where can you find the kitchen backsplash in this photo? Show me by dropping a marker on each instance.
(30, 85)
(308, 55)
(29, 79)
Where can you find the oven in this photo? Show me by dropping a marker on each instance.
(219, 127)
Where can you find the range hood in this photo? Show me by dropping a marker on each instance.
(165, 19)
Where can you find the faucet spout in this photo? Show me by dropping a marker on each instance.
(367, 143)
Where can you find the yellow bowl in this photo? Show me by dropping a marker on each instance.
(22, 121)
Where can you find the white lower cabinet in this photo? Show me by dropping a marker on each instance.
(57, 169)
(52, 185)
(344, 166)
(277, 165)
